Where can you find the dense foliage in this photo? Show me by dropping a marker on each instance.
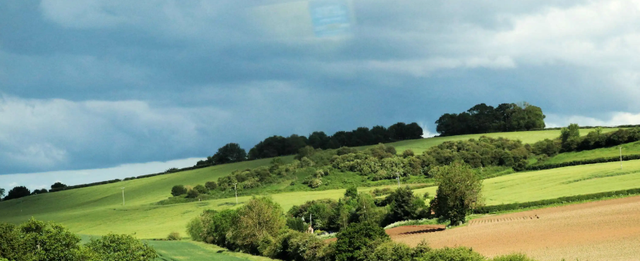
(18, 192)
(356, 240)
(320, 169)
(458, 192)
(37, 240)
(360, 239)
(278, 146)
(228, 153)
(571, 141)
(482, 118)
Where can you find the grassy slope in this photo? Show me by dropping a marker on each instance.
(195, 251)
(554, 183)
(98, 210)
(627, 149)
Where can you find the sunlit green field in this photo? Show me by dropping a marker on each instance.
(627, 149)
(196, 251)
(555, 183)
(98, 210)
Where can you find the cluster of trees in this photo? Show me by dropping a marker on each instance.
(37, 240)
(380, 162)
(570, 140)
(482, 118)
(22, 191)
(277, 146)
(260, 227)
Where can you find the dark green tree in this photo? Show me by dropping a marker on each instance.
(403, 205)
(229, 153)
(178, 190)
(458, 191)
(357, 239)
(58, 186)
(18, 192)
(1, 193)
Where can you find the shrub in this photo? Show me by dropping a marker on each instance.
(512, 257)
(392, 251)
(201, 189)
(451, 254)
(173, 236)
(195, 229)
(357, 239)
(351, 192)
(408, 153)
(296, 224)
(193, 193)
(178, 190)
(211, 185)
(258, 220)
(315, 183)
(294, 245)
(121, 247)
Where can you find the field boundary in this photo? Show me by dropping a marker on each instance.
(581, 162)
(560, 200)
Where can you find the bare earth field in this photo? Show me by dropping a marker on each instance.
(602, 230)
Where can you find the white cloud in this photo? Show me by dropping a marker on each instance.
(52, 134)
(614, 119)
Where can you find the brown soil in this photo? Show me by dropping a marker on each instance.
(398, 232)
(603, 230)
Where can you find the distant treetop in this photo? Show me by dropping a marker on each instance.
(482, 118)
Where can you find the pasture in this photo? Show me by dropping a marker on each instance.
(98, 210)
(632, 148)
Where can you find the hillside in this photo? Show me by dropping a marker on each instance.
(98, 210)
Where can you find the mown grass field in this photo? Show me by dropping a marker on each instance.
(196, 251)
(560, 182)
(98, 210)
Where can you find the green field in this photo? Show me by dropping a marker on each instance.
(196, 251)
(627, 149)
(98, 210)
(560, 182)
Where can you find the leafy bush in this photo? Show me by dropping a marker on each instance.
(201, 189)
(403, 205)
(294, 245)
(121, 247)
(512, 257)
(173, 236)
(357, 239)
(211, 185)
(193, 193)
(392, 251)
(451, 254)
(178, 190)
(258, 220)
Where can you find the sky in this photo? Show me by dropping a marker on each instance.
(100, 84)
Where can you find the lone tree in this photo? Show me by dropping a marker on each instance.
(1, 193)
(58, 186)
(178, 190)
(458, 191)
(259, 219)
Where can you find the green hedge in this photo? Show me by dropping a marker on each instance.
(561, 200)
(581, 162)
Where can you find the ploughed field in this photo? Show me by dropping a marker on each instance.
(602, 230)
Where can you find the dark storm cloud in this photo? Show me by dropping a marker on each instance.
(100, 83)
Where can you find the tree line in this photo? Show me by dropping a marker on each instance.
(483, 118)
(275, 146)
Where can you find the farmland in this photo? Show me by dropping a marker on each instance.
(603, 230)
(98, 210)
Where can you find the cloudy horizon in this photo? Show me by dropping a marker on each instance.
(97, 84)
